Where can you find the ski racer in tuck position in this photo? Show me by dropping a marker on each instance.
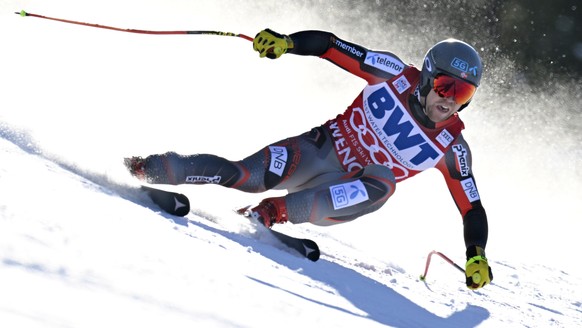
(403, 122)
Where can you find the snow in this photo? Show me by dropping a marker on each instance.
(81, 247)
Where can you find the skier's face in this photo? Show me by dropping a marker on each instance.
(439, 108)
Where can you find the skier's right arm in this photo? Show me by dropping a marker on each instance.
(374, 67)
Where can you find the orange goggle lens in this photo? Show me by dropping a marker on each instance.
(448, 86)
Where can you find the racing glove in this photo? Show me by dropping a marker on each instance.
(477, 269)
(271, 44)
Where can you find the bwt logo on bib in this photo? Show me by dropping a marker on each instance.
(406, 142)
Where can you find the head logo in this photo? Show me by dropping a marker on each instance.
(473, 70)
(427, 64)
(460, 64)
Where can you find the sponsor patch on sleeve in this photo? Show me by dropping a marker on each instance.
(470, 189)
(461, 155)
(384, 62)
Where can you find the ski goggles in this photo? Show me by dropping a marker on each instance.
(447, 86)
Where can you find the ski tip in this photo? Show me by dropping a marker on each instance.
(21, 13)
(171, 202)
(313, 256)
(311, 250)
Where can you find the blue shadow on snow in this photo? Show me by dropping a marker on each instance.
(381, 303)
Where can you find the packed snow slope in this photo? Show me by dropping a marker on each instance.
(80, 246)
(81, 250)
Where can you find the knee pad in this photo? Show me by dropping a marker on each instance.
(381, 178)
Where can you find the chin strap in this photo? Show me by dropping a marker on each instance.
(418, 92)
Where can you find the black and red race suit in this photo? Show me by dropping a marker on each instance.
(386, 125)
(350, 165)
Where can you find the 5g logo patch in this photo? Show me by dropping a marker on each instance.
(348, 194)
(460, 64)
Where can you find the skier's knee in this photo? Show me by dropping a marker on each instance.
(380, 182)
(380, 171)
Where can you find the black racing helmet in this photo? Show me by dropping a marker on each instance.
(454, 58)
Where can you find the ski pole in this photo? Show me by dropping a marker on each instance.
(423, 277)
(25, 14)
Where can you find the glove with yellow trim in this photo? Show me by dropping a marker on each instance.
(271, 44)
(477, 269)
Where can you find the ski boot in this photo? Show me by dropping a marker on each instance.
(269, 211)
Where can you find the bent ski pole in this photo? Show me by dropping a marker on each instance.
(423, 277)
(25, 14)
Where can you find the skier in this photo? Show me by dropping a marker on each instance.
(403, 122)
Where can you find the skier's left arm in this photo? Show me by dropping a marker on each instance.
(372, 66)
(456, 167)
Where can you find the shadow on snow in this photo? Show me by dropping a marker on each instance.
(381, 303)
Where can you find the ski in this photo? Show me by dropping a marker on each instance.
(178, 204)
(306, 247)
(170, 202)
